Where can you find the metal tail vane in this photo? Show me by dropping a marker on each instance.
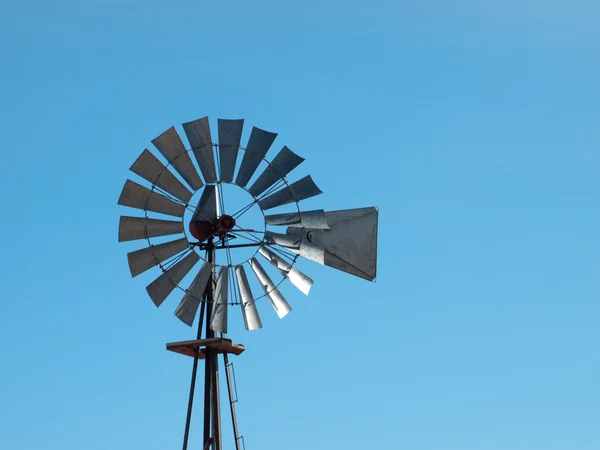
(345, 240)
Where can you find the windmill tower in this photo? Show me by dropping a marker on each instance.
(195, 252)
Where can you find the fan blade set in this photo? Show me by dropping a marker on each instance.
(330, 238)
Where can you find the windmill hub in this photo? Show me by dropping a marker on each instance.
(226, 224)
(204, 229)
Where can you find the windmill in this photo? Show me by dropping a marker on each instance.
(191, 235)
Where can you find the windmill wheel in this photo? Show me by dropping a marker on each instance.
(345, 240)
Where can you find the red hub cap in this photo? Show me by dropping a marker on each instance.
(225, 224)
(202, 230)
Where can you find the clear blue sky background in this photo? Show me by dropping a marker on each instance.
(472, 125)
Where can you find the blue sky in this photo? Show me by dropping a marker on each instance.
(471, 125)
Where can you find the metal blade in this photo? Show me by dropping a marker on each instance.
(304, 219)
(298, 279)
(249, 311)
(208, 205)
(258, 145)
(218, 321)
(285, 240)
(160, 288)
(285, 161)
(152, 170)
(137, 196)
(280, 305)
(296, 241)
(170, 145)
(230, 134)
(198, 134)
(188, 307)
(306, 248)
(133, 228)
(300, 190)
(144, 259)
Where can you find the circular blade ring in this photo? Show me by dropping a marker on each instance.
(272, 182)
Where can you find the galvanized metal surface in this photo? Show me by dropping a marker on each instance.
(308, 249)
(249, 312)
(279, 303)
(198, 135)
(218, 320)
(133, 228)
(285, 161)
(160, 288)
(170, 145)
(188, 307)
(230, 135)
(146, 258)
(350, 245)
(258, 145)
(297, 278)
(285, 240)
(349, 215)
(300, 190)
(137, 196)
(304, 219)
(208, 205)
(151, 169)
(313, 252)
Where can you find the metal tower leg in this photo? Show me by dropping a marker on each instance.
(209, 372)
(188, 418)
(207, 402)
(216, 419)
(231, 402)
